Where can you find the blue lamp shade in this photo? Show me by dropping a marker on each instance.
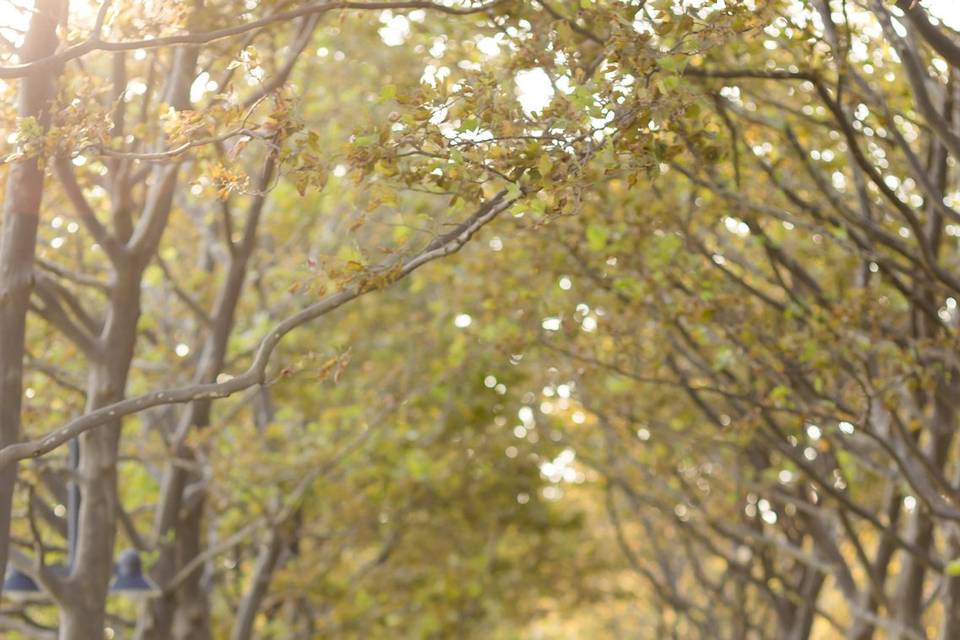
(19, 586)
(129, 575)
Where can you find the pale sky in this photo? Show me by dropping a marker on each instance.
(946, 10)
(12, 12)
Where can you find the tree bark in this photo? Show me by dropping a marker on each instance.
(21, 213)
(184, 613)
(260, 583)
(107, 381)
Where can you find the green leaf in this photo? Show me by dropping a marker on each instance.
(388, 92)
(544, 165)
(596, 237)
(673, 63)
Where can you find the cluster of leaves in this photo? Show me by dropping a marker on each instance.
(715, 330)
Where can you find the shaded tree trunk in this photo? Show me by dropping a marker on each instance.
(21, 212)
(250, 604)
(93, 566)
(183, 614)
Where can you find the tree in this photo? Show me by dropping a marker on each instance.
(761, 339)
(121, 157)
(170, 131)
(719, 297)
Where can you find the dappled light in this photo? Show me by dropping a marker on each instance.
(494, 319)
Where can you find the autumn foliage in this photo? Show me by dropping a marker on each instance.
(493, 319)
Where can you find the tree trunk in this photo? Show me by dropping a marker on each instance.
(191, 619)
(259, 584)
(85, 606)
(910, 583)
(74, 624)
(93, 565)
(950, 625)
(183, 615)
(861, 628)
(21, 212)
(806, 614)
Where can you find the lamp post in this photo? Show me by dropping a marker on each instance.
(128, 571)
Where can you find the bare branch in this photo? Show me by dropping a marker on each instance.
(256, 373)
(95, 43)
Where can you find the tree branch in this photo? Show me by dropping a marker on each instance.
(256, 373)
